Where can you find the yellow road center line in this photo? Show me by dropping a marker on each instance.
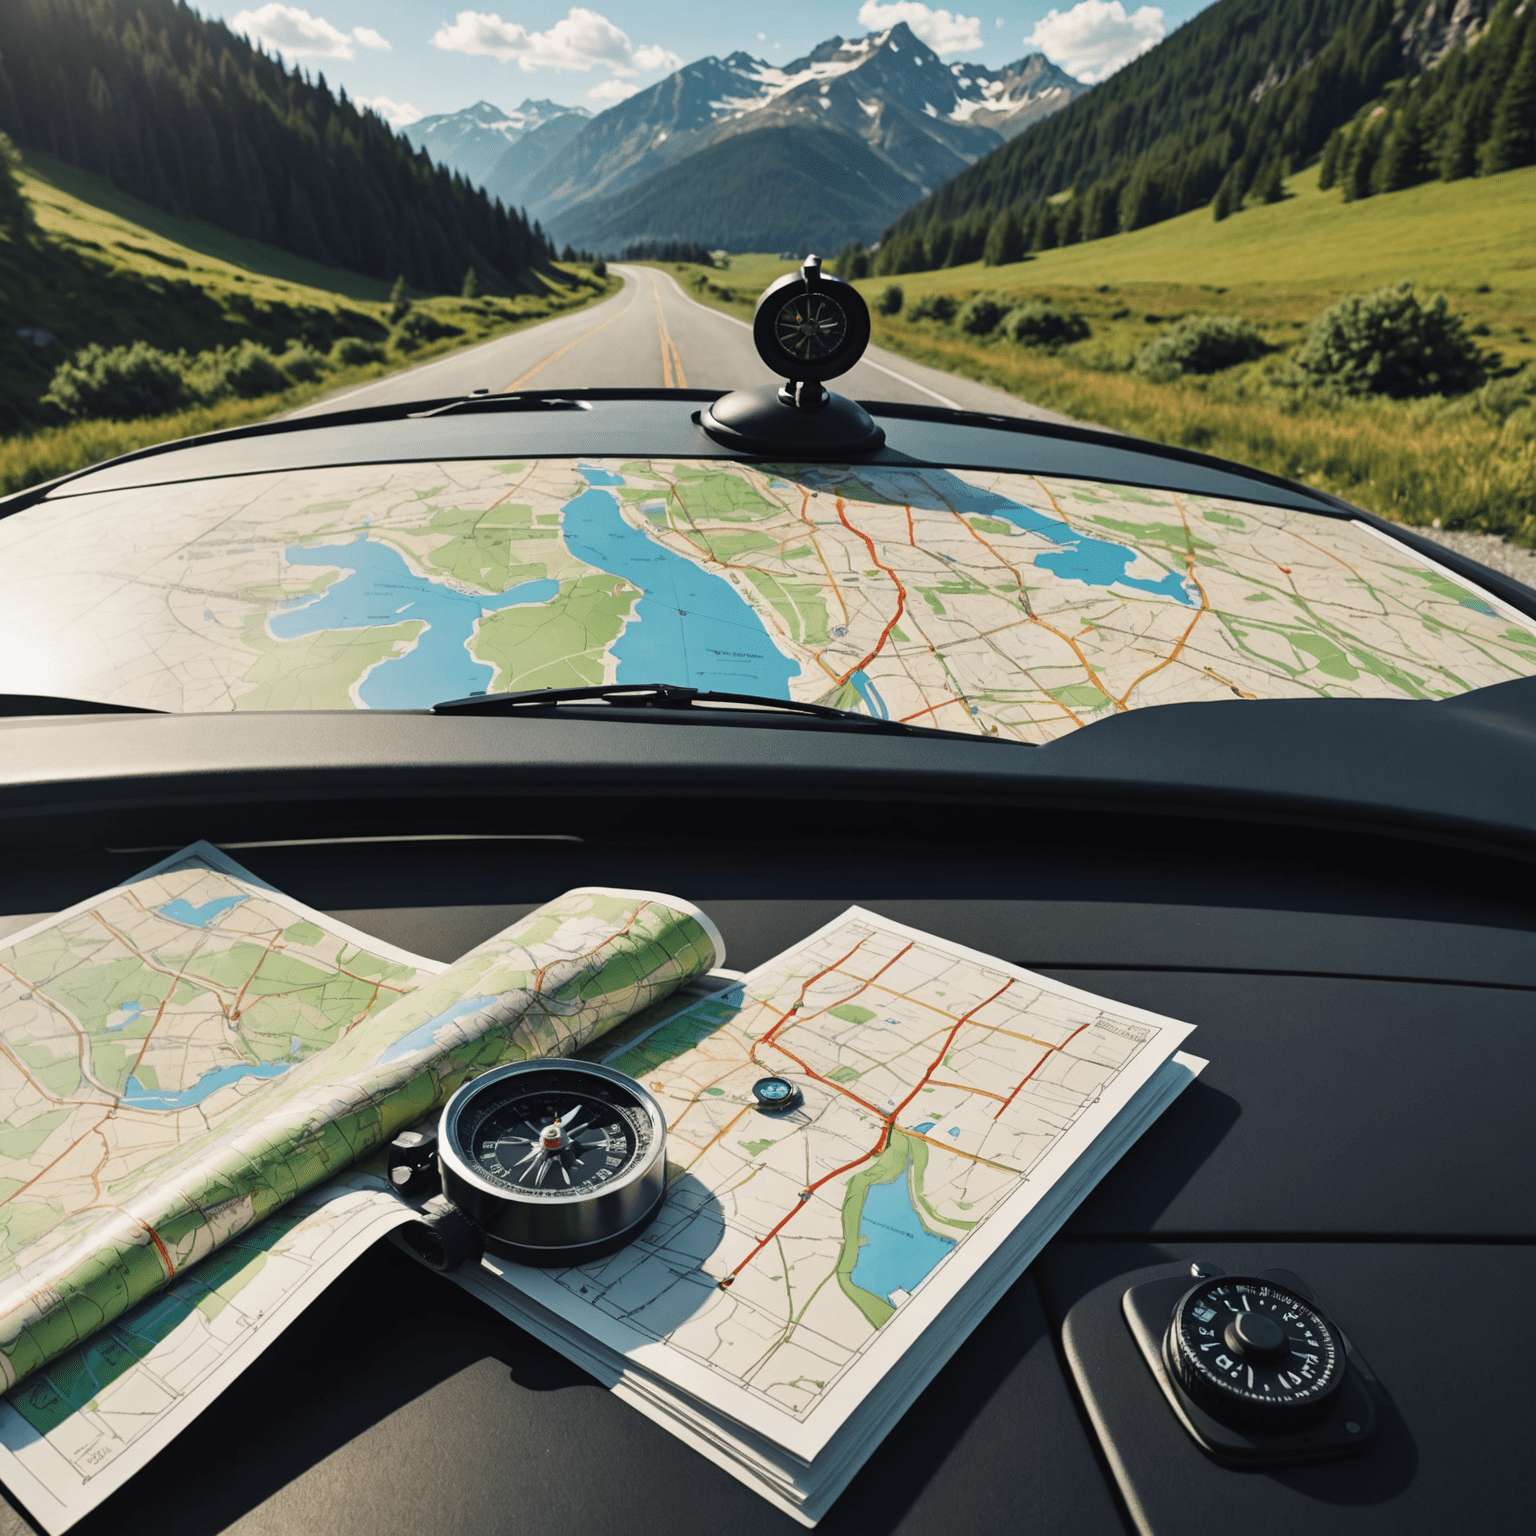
(672, 376)
(554, 357)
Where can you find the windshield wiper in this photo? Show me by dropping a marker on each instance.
(54, 704)
(696, 704)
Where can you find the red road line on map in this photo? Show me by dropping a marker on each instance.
(170, 1269)
(1045, 1058)
(889, 1120)
(901, 592)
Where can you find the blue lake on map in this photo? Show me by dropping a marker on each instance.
(691, 626)
(137, 1096)
(421, 1037)
(182, 911)
(1081, 557)
(124, 1014)
(870, 694)
(899, 1252)
(379, 588)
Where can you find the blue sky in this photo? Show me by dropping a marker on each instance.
(410, 57)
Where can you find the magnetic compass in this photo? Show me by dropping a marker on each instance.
(1252, 1351)
(556, 1162)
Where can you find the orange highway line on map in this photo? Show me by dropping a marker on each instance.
(1205, 608)
(1045, 1058)
(938, 1082)
(901, 593)
(805, 497)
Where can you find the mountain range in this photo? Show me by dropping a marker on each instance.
(751, 155)
(474, 140)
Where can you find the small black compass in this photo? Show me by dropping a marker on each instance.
(775, 1095)
(1251, 1351)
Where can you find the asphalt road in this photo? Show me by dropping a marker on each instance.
(653, 335)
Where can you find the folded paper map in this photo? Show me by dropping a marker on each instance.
(183, 1055)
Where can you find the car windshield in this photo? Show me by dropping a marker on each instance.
(1017, 606)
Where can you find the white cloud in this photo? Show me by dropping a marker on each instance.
(583, 40)
(612, 89)
(942, 32)
(1096, 37)
(371, 39)
(294, 32)
(400, 113)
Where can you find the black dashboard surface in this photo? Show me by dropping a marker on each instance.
(1366, 1006)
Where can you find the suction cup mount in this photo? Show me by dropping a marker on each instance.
(808, 327)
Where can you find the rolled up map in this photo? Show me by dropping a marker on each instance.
(112, 1182)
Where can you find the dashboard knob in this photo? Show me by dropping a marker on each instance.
(1250, 1351)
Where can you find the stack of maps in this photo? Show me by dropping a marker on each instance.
(194, 1070)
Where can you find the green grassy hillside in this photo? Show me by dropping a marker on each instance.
(1469, 463)
(102, 267)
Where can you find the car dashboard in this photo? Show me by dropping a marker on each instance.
(1337, 894)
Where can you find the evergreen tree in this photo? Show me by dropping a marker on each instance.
(1005, 240)
(15, 210)
(1328, 171)
(1229, 195)
(470, 288)
(1512, 141)
(1269, 184)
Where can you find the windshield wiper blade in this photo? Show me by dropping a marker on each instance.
(699, 704)
(55, 704)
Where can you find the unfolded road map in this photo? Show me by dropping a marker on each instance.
(800, 1254)
(182, 1056)
(1025, 606)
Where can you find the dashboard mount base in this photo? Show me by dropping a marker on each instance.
(763, 420)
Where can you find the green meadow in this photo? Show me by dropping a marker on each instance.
(1465, 463)
(105, 267)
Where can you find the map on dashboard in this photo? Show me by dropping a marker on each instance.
(182, 1056)
(946, 1099)
(1016, 605)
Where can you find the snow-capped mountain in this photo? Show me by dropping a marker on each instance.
(473, 141)
(922, 119)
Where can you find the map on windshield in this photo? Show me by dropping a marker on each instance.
(1016, 605)
(952, 1110)
(183, 1055)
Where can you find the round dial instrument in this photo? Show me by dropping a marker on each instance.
(555, 1161)
(1251, 1351)
(810, 327)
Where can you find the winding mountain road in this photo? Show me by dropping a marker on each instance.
(653, 335)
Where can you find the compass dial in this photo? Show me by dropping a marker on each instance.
(1251, 1351)
(559, 1143)
(810, 327)
(554, 1160)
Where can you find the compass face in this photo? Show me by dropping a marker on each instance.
(810, 327)
(557, 1134)
(1250, 1350)
(554, 1143)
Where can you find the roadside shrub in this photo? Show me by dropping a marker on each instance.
(1388, 343)
(1498, 399)
(936, 306)
(1043, 325)
(247, 372)
(1202, 344)
(418, 327)
(982, 315)
(353, 352)
(301, 363)
(891, 300)
(599, 268)
(119, 383)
